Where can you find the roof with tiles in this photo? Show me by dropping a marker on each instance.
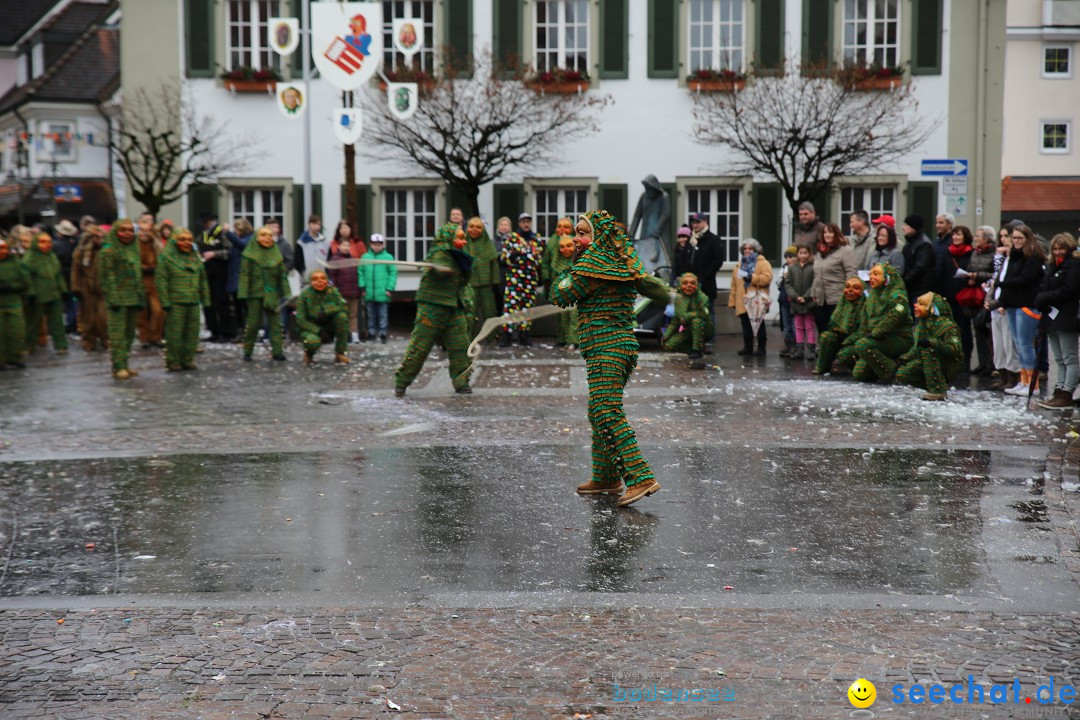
(19, 16)
(1040, 194)
(88, 72)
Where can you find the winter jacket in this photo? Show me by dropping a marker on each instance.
(831, 272)
(807, 235)
(683, 262)
(376, 280)
(213, 240)
(1061, 289)
(981, 264)
(759, 280)
(862, 248)
(800, 283)
(237, 244)
(956, 284)
(884, 256)
(345, 279)
(309, 251)
(920, 266)
(1021, 282)
(707, 261)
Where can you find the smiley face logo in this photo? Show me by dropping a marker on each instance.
(862, 693)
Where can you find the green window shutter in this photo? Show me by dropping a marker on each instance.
(507, 32)
(459, 34)
(509, 201)
(926, 37)
(614, 39)
(817, 34)
(296, 10)
(770, 35)
(365, 224)
(201, 199)
(613, 199)
(768, 202)
(298, 215)
(922, 200)
(199, 36)
(663, 38)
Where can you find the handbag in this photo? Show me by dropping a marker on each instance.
(971, 296)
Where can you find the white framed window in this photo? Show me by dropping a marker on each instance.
(716, 35)
(409, 222)
(1057, 61)
(257, 205)
(58, 141)
(871, 32)
(876, 201)
(37, 61)
(562, 35)
(722, 207)
(246, 30)
(1055, 136)
(422, 10)
(554, 203)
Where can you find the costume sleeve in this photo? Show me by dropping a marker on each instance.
(161, 280)
(896, 316)
(568, 289)
(105, 275)
(653, 288)
(945, 339)
(896, 259)
(304, 319)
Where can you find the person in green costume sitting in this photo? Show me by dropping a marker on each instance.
(834, 345)
(47, 287)
(183, 290)
(604, 282)
(322, 316)
(887, 318)
(265, 286)
(691, 327)
(936, 356)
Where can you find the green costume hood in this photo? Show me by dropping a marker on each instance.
(129, 252)
(42, 265)
(482, 249)
(189, 261)
(611, 255)
(444, 236)
(893, 291)
(939, 307)
(263, 257)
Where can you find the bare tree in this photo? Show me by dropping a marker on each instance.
(163, 144)
(804, 129)
(470, 131)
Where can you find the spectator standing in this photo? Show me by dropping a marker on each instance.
(944, 268)
(86, 284)
(961, 248)
(239, 237)
(1019, 288)
(709, 257)
(346, 279)
(311, 248)
(1006, 360)
(377, 284)
(980, 271)
(808, 229)
(214, 249)
(151, 321)
(886, 250)
(787, 323)
(834, 264)
(862, 238)
(919, 258)
(683, 257)
(750, 281)
(502, 232)
(64, 244)
(1060, 297)
(799, 286)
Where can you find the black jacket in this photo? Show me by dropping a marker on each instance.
(920, 266)
(683, 262)
(709, 257)
(1021, 282)
(1060, 289)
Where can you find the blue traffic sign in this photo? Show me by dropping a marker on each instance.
(946, 167)
(68, 193)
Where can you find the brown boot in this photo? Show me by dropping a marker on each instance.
(341, 359)
(637, 491)
(309, 359)
(1062, 400)
(595, 488)
(935, 396)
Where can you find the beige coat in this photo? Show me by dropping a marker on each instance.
(760, 280)
(830, 274)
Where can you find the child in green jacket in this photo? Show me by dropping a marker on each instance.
(377, 284)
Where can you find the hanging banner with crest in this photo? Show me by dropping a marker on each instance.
(403, 99)
(284, 34)
(347, 41)
(348, 124)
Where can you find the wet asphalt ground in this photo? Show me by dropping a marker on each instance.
(268, 540)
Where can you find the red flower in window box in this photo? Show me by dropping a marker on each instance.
(246, 79)
(558, 81)
(710, 80)
(870, 77)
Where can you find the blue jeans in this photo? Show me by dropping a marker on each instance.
(1023, 328)
(787, 322)
(378, 317)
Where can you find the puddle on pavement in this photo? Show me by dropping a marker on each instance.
(425, 520)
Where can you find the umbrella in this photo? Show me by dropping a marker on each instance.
(757, 304)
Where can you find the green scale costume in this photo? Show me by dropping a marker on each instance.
(566, 330)
(120, 270)
(322, 316)
(887, 320)
(604, 283)
(181, 284)
(838, 341)
(936, 356)
(45, 298)
(484, 277)
(264, 284)
(14, 283)
(441, 302)
(691, 326)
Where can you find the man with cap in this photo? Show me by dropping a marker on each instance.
(214, 250)
(919, 258)
(67, 239)
(707, 260)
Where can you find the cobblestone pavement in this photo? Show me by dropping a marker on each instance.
(516, 654)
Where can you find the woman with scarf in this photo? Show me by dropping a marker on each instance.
(86, 284)
(120, 270)
(886, 326)
(936, 355)
(604, 282)
(834, 264)
(960, 251)
(1061, 291)
(750, 281)
(14, 283)
(182, 286)
(485, 271)
(264, 285)
(47, 287)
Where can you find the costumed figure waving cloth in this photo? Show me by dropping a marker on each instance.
(183, 289)
(120, 270)
(604, 282)
(836, 343)
(14, 282)
(937, 356)
(441, 315)
(691, 326)
(485, 271)
(522, 257)
(264, 284)
(322, 315)
(888, 326)
(47, 287)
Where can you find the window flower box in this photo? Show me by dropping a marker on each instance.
(708, 80)
(880, 83)
(870, 77)
(558, 82)
(249, 80)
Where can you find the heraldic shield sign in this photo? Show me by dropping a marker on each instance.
(347, 41)
(348, 125)
(403, 99)
(284, 33)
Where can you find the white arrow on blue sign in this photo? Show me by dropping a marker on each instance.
(947, 167)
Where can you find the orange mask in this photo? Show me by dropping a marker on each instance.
(688, 285)
(877, 277)
(459, 240)
(566, 246)
(853, 289)
(319, 281)
(475, 229)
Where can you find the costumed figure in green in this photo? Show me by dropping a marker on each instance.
(837, 342)
(485, 272)
(887, 318)
(564, 227)
(47, 287)
(441, 311)
(264, 285)
(182, 289)
(604, 282)
(566, 330)
(322, 316)
(691, 326)
(14, 284)
(120, 270)
(936, 356)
